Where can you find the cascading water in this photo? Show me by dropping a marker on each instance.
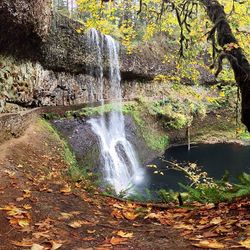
(120, 166)
(96, 43)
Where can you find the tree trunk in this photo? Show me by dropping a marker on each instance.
(236, 56)
(188, 138)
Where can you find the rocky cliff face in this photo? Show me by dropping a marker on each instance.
(27, 84)
(45, 61)
(24, 24)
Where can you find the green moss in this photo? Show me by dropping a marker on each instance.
(90, 157)
(214, 129)
(154, 139)
(136, 110)
(91, 111)
(74, 171)
(50, 116)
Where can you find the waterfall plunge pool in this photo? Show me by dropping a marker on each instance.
(215, 159)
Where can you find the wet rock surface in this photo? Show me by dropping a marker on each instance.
(84, 141)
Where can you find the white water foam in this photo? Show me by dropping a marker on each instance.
(120, 165)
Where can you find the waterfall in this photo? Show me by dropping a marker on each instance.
(119, 163)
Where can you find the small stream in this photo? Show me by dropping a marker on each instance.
(215, 159)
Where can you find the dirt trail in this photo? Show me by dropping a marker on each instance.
(40, 206)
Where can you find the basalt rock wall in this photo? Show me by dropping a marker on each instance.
(45, 60)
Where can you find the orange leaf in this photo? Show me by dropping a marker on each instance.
(117, 214)
(117, 241)
(88, 239)
(23, 243)
(130, 215)
(65, 190)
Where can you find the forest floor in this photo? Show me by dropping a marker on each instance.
(42, 208)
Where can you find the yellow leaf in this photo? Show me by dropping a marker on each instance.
(27, 206)
(216, 220)
(245, 243)
(66, 189)
(248, 230)
(209, 244)
(124, 234)
(37, 247)
(15, 211)
(184, 226)
(130, 215)
(79, 30)
(65, 216)
(7, 207)
(27, 193)
(55, 245)
(75, 224)
(23, 222)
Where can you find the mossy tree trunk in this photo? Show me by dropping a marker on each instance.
(234, 54)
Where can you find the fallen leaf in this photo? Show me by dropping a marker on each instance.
(216, 221)
(79, 223)
(204, 220)
(153, 216)
(209, 234)
(19, 199)
(130, 215)
(124, 234)
(27, 206)
(23, 243)
(118, 205)
(117, 214)
(184, 226)
(88, 238)
(91, 231)
(75, 224)
(248, 230)
(27, 193)
(66, 190)
(44, 234)
(37, 247)
(117, 241)
(65, 216)
(209, 244)
(23, 222)
(77, 185)
(55, 245)
(245, 243)
(103, 247)
(222, 229)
